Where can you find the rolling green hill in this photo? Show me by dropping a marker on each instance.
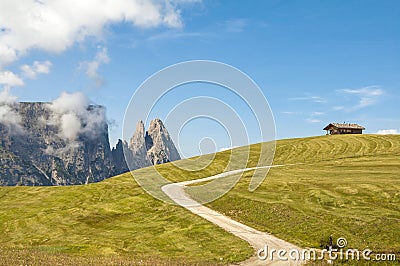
(113, 222)
(347, 185)
(344, 185)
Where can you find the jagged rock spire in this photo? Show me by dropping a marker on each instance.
(137, 147)
(150, 147)
(160, 147)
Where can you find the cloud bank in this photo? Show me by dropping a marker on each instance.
(388, 131)
(91, 67)
(74, 115)
(315, 99)
(53, 26)
(36, 68)
(8, 116)
(367, 96)
(9, 79)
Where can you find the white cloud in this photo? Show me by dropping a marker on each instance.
(37, 67)
(91, 67)
(289, 113)
(318, 113)
(10, 119)
(367, 96)
(6, 97)
(70, 125)
(72, 113)
(9, 79)
(8, 116)
(66, 110)
(176, 34)
(7, 54)
(70, 102)
(388, 131)
(172, 17)
(54, 26)
(339, 108)
(313, 120)
(315, 99)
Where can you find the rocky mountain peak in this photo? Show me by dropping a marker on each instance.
(68, 148)
(160, 147)
(150, 147)
(137, 139)
(156, 125)
(136, 152)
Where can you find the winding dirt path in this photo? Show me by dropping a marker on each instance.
(255, 238)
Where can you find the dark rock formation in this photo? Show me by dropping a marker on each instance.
(146, 148)
(40, 156)
(35, 150)
(120, 165)
(137, 147)
(159, 145)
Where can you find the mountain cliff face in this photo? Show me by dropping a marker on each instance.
(159, 145)
(39, 155)
(137, 148)
(45, 152)
(146, 148)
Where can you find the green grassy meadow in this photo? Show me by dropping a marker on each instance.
(113, 222)
(352, 190)
(345, 186)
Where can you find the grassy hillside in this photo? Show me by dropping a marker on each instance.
(342, 185)
(345, 186)
(109, 223)
(288, 151)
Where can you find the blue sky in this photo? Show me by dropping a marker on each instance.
(315, 61)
